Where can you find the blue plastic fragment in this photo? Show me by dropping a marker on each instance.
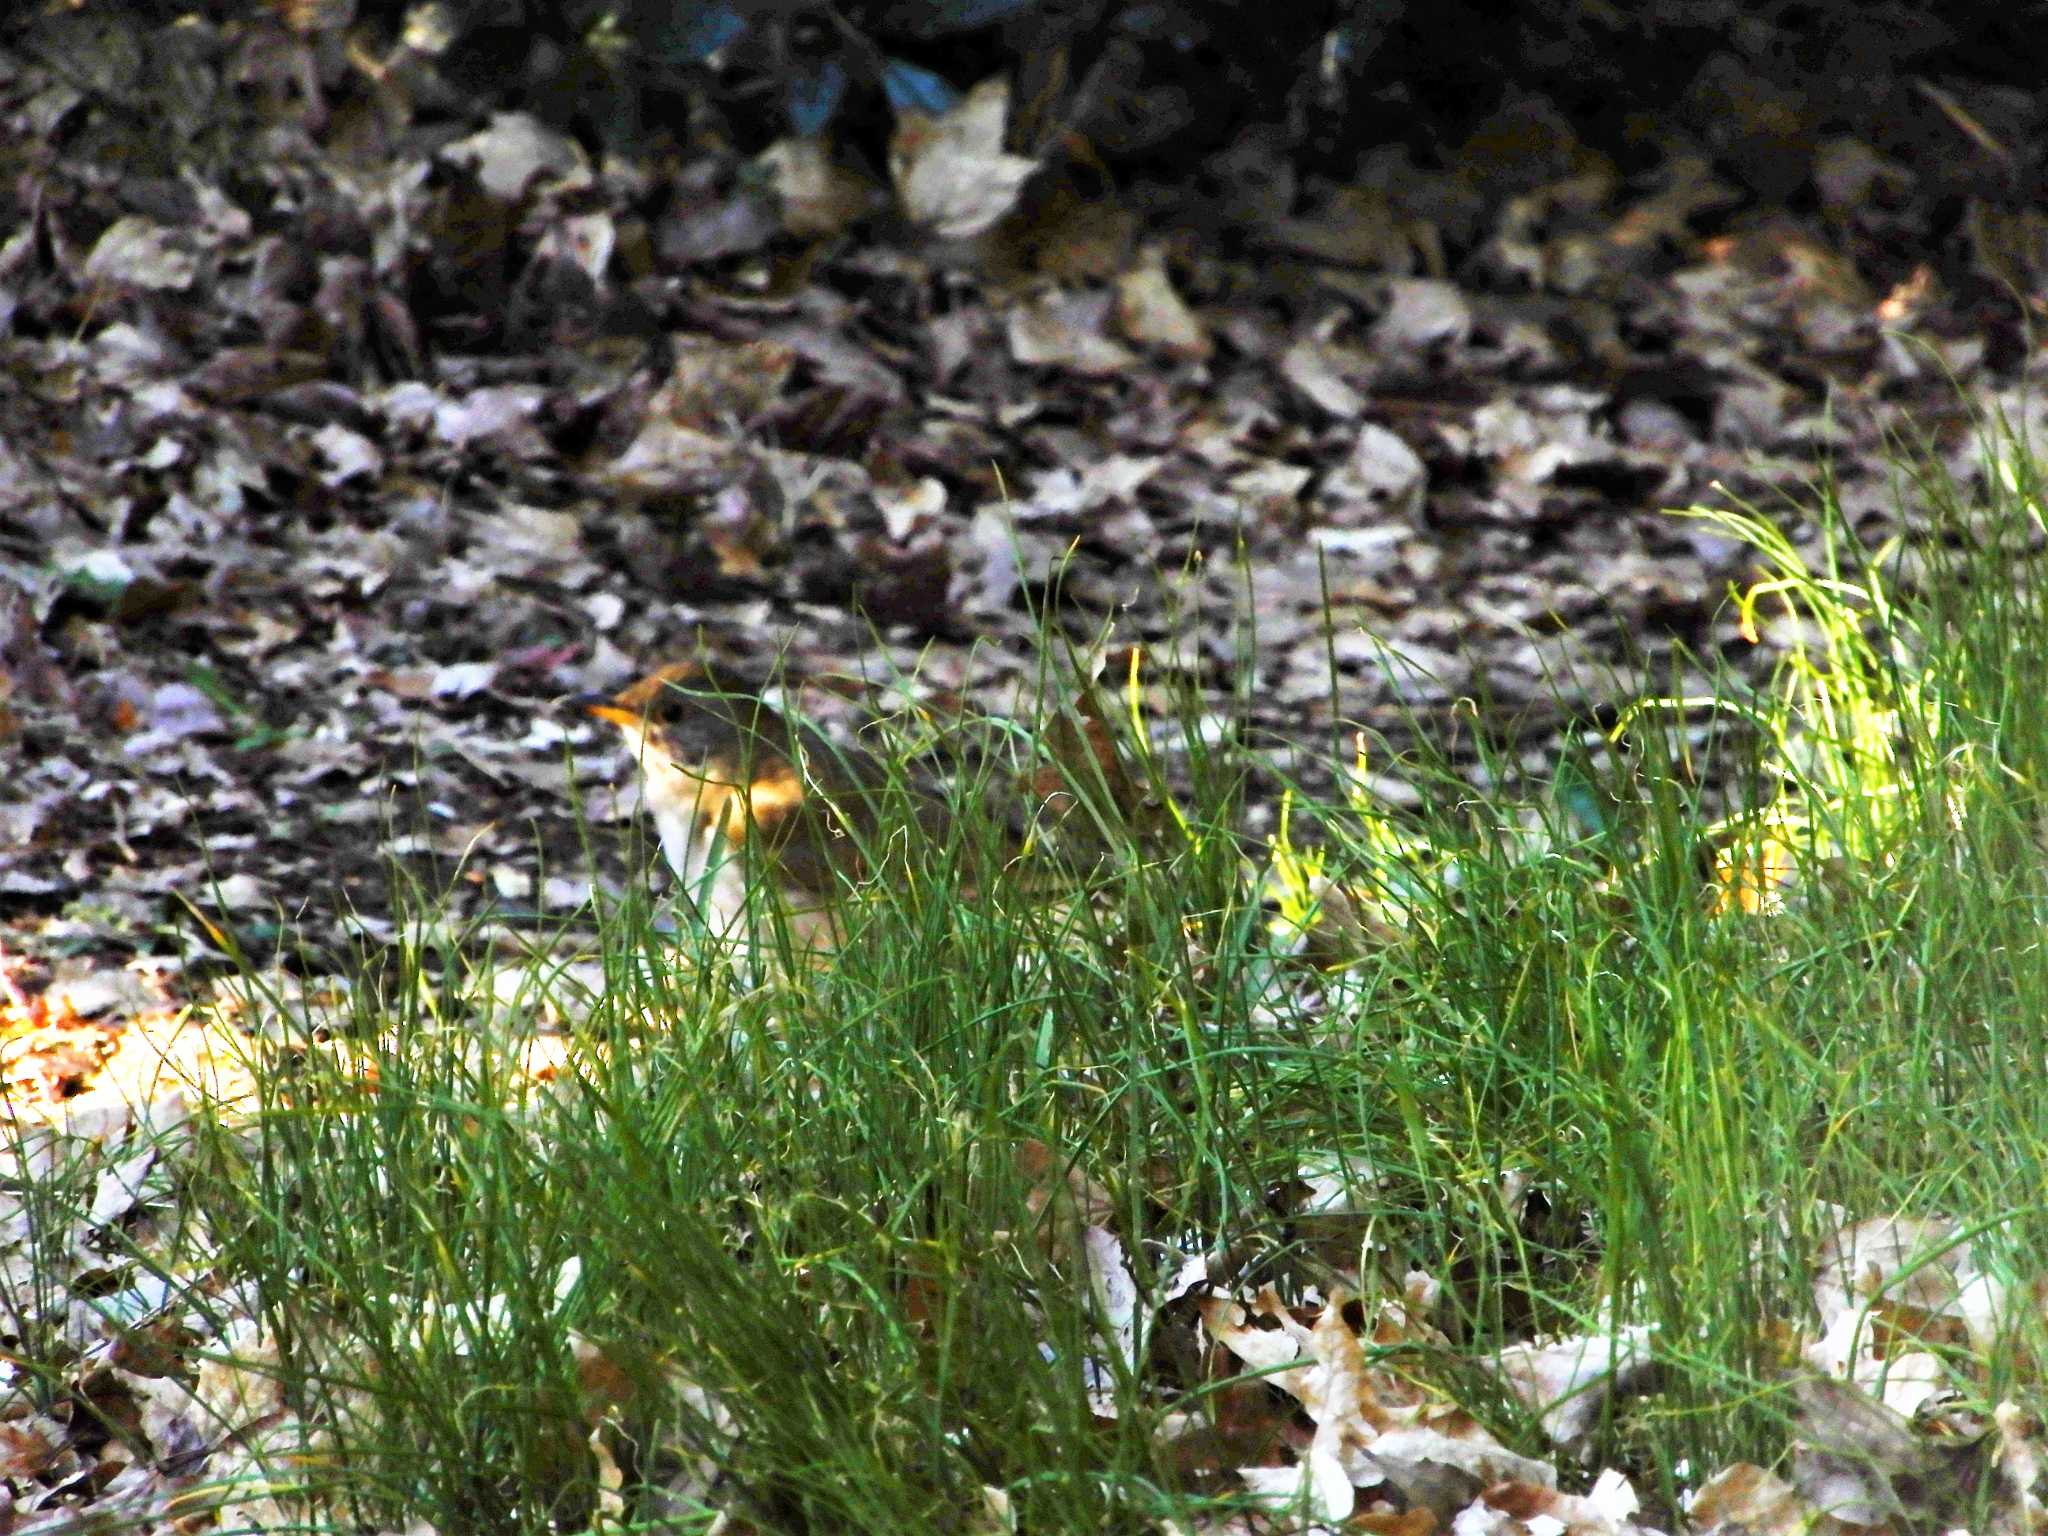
(912, 89)
(813, 98)
(700, 30)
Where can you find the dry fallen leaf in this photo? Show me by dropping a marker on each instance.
(1317, 370)
(1570, 1382)
(1746, 1498)
(1901, 1259)
(1375, 1426)
(1381, 478)
(1067, 330)
(952, 173)
(1608, 1507)
(514, 151)
(1151, 313)
(139, 253)
(821, 197)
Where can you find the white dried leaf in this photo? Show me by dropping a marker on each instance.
(1316, 1484)
(140, 253)
(584, 240)
(1382, 474)
(1897, 1259)
(1422, 313)
(463, 679)
(1745, 1497)
(179, 710)
(1066, 330)
(952, 173)
(120, 1187)
(1115, 1292)
(517, 149)
(492, 411)
(241, 893)
(1569, 1382)
(1153, 314)
(1316, 372)
(346, 455)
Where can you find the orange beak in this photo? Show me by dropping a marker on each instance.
(606, 710)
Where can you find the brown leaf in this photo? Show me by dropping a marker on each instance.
(1064, 1200)
(1749, 1499)
(1084, 783)
(718, 386)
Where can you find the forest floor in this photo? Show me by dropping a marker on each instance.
(330, 471)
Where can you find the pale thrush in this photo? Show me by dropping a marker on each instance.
(738, 792)
(737, 789)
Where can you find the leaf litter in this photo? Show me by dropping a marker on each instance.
(324, 481)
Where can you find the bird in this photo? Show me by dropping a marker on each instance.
(738, 792)
(743, 797)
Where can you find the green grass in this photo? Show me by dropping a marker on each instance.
(809, 1244)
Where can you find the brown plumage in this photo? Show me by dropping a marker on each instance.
(731, 784)
(737, 789)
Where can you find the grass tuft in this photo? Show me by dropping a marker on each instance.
(888, 1243)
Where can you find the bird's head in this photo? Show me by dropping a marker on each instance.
(684, 718)
(710, 754)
